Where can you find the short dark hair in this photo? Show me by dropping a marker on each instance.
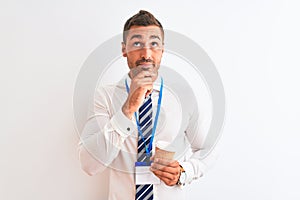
(142, 18)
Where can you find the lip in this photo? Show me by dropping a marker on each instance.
(146, 64)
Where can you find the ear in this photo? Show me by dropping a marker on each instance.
(124, 49)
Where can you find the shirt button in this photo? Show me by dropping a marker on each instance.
(128, 129)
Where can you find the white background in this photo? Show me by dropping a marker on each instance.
(254, 45)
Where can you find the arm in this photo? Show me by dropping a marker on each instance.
(196, 134)
(196, 165)
(105, 131)
(103, 135)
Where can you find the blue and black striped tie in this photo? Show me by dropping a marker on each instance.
(144, 192)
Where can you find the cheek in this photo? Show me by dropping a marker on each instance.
(157, 56)
(132, 56)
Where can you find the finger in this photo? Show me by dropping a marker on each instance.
(140, 82)
(145, 87)
(166, 177)
(172, 170)
(152, 158)
(136, 71)
(143, 81)
(141, 86)
(144, 74)
(167, 162)
(168, 181)
(163, 175)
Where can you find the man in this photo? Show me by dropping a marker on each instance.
(129, 119)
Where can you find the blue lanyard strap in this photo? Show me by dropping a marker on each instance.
(148, 150)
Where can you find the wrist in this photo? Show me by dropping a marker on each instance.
(182, 177)
(127, 112)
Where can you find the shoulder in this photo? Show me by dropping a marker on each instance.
(180, 89)
(108, 91)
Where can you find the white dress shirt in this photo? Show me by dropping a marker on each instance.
(109, 138)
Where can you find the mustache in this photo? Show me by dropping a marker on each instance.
(143, 60)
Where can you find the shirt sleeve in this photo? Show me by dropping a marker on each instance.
(103, 135)
(198, 163)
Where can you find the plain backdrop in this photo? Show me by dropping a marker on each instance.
(254, 45)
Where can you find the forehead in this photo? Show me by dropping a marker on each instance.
(144, 31)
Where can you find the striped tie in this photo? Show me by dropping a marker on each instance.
(144, 192)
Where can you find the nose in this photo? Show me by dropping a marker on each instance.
(146, 53)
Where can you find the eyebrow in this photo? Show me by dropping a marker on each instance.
(136, 36)
(140, 36)
(154, 37)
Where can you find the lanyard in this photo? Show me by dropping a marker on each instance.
(155, 121)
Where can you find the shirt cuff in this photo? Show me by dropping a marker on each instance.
(190, 173)
(122, 124)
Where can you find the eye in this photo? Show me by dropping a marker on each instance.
(136, 44)
(154, 44)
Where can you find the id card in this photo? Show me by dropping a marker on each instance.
(143, 175)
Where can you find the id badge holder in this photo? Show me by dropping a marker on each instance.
(143, 175)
